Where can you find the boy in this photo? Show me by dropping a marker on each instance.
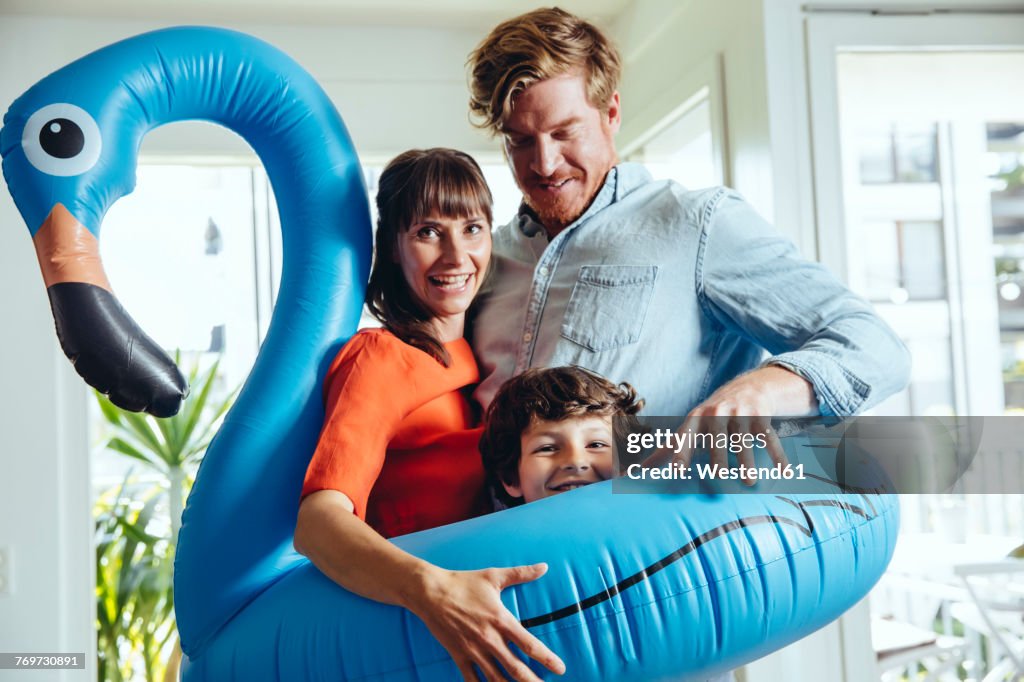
(550, 430)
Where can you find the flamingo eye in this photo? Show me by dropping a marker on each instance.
(62, 139)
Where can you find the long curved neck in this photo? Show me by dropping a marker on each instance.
(237, 529)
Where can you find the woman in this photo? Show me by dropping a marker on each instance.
(397, 453)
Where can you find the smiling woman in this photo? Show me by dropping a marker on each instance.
(444, 260)
(433, 230)
(440, 237)
(398, 450)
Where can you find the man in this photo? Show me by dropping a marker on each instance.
(677, 292)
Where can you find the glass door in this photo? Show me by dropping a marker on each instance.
(917, 142)
(917, 156)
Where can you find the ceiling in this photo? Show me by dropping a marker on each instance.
(442, 13)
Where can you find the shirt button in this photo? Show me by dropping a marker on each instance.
(527, 336)
(543, 272)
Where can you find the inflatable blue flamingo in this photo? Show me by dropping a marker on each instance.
(641, 587)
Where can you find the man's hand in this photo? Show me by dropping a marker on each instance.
(745, 405)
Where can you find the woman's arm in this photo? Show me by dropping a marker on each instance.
(462, 609)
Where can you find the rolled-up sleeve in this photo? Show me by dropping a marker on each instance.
(754, 282)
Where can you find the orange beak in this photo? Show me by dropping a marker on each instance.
(108, 349)
(68, 252)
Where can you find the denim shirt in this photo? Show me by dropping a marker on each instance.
(677, 292)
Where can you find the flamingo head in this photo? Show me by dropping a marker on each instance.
(69, 147)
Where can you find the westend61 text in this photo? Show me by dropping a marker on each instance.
(679, 472)
(667, 439)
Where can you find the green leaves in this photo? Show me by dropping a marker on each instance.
(136, 526)
(134, 596)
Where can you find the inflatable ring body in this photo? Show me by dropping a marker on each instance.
(640, 587)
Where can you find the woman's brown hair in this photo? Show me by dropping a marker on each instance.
(415, 185)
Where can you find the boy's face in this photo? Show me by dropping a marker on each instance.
(563, 455)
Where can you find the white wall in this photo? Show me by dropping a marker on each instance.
(44, 456)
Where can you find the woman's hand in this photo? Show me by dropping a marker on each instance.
(463, 610)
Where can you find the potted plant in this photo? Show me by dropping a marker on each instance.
(137, 527)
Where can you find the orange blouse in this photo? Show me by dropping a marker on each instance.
(398, 437)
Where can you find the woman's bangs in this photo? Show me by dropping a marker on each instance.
(451, 190)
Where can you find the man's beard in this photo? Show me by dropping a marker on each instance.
(555, 216)
(559, 213)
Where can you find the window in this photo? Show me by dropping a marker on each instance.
(190, 257)
(683, 149)
(1004, 159)
(935, 219)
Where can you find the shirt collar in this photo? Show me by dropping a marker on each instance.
(620, 181)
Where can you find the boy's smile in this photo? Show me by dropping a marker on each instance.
(557, 456)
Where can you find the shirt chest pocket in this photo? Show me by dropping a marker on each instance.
(608, 305)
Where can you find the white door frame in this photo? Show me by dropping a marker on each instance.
(828, 33)
(825, 34)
